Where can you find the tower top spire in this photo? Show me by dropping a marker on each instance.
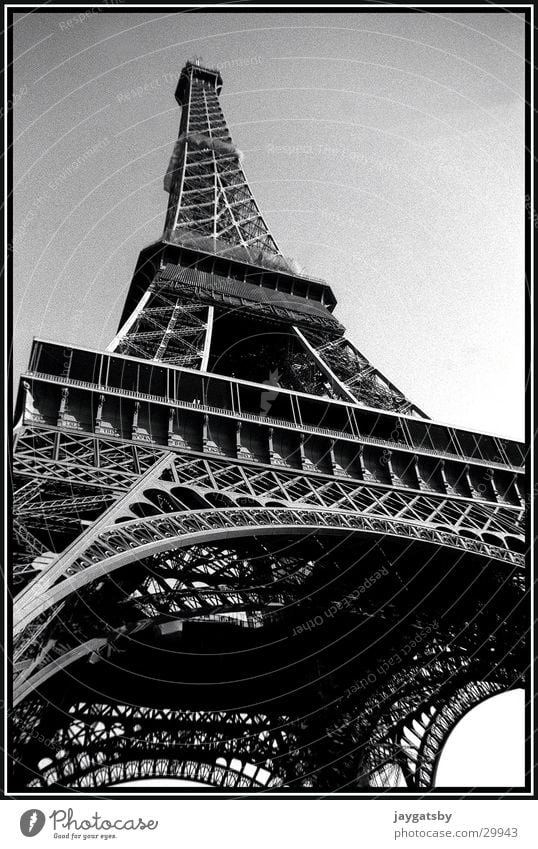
(195, 69)
(211, 206)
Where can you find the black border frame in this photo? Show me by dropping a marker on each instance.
(456, 793)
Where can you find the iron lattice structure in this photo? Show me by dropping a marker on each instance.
(241, 555)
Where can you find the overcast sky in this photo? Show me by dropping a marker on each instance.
(385, 150)
(386, 153)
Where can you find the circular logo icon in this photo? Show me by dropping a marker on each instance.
(32, 822)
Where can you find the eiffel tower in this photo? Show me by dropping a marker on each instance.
(242, 557)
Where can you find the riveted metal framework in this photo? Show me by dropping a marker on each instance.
(231, 507)
(209, 195)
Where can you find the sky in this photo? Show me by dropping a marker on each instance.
(386, 152)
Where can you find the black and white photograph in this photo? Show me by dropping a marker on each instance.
(268, 405)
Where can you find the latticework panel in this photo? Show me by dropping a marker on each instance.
(354, 374)
(167, 329)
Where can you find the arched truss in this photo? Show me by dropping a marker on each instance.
(94, 774)
(243, 777)
(349, 747)
(129, 542)
(118, 488)
(408, 742)
(445, 721)
(117, 545)
(104, 744)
